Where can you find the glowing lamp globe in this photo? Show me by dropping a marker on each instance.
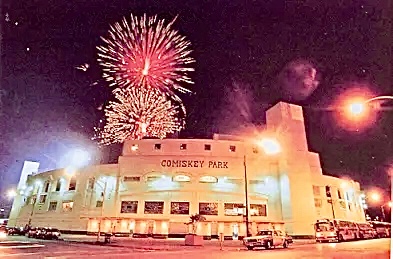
(270, 146)
(356, 108)
(375, 196)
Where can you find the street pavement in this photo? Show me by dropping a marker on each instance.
(154, 249)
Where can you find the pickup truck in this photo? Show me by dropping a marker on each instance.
(267, 239)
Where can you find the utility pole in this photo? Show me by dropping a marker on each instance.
(246, 194)
(102, 210)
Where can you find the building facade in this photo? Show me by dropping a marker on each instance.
(157, 184)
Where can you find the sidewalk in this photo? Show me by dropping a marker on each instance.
(162, 244)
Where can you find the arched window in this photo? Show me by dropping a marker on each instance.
(72, 185)
(208, 179)
(46, 186)
(181, 178)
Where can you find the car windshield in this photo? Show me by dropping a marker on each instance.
(264, 233)
(325, 226)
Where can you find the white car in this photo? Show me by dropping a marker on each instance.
(267, 239)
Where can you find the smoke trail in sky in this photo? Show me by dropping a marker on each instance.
(298, 80)
(240, 110)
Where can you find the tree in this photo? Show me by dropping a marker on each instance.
(194, 219)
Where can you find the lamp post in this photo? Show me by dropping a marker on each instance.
(34, 202)
(246, 194)
(389, 204)
(330, 199)
(357, 108)
(270, 147)
(102, 210)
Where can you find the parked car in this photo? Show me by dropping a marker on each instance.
(49, 233)
(16, 231)
(34, 232)
(290, 239)
(366, 231)
(267, 239)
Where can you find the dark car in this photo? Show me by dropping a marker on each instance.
(16, 231)
(289, 239)
(34, 232)
(49, 233)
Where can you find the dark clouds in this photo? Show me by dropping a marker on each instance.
(298, 80)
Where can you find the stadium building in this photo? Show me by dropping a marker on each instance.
(157, 184)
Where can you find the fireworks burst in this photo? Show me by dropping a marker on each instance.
(139, 113)
(146, 53)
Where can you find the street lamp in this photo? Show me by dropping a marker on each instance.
(271, 147)
(103, 195)
(389, 204)
(376, 197)
(358, 108)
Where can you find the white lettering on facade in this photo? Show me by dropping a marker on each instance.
(193, 163)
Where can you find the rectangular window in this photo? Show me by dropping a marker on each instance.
(316, 190)
(153, 178)
(208, 179)
(58, 185)
(317, 203)
(339, 195)
(208, 147)
(232, 148)
(180, 208)
(183, 146)
(90, 183)
(129, 207)
(154, 207)
(67, 206)
(52, 206)
(347, 196)
(99, 204)
(46, 186)
(234, 209)
(42, 198)
(258, 210)
(132, 178)
(208, 208)
(328, 193)
(72, 185)
(157, 146)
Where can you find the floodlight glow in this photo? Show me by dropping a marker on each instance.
(11, 193)
(78, 158)
(270, 146)
(70, 171)
(375, 196)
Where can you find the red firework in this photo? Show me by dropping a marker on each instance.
(146, 52)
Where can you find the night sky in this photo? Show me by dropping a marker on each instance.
(242, 49)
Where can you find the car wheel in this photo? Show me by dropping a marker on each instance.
(285, 245)
(268, 245)
(340, 238)
(249, 247)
